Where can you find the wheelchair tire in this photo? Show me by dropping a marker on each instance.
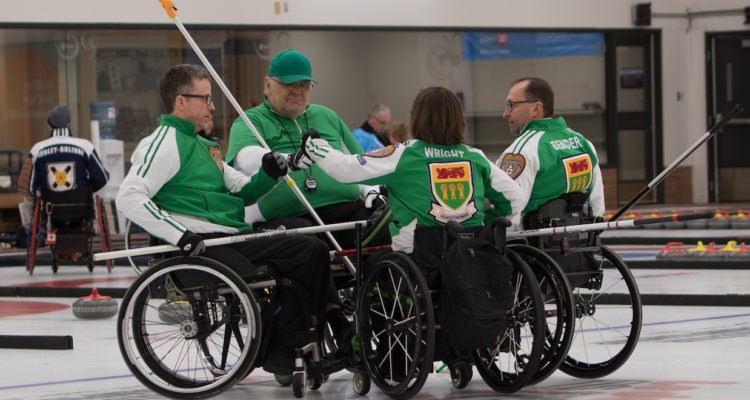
(217, 344)
(396, 326)
(461, 375)
(361, 383)
(608, 321)
(559, 308)
(299, 384)
(54, 260)
(513, 362)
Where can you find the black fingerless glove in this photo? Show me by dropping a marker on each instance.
(191, 244)
(274, 164)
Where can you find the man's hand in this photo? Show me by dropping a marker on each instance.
(299, 160)
(315, 147)
(191, 244)
(274, 163)
(372, 198)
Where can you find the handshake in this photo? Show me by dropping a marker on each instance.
(276, 164)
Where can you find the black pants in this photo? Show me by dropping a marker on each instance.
(301, 258)
(333, 214)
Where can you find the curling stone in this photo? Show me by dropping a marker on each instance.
(175, 312)
(95, 306)
(741, 220)
(720, 220)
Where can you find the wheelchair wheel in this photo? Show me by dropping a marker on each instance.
(559, 308)
(104, 241)
(461, 375)
(396, 326)
(90, 258)
(202, 352)
(54, 259)
(513, 362)
(361, 383)
(32, 245)
(608, 321)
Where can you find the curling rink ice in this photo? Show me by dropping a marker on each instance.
(684, 352)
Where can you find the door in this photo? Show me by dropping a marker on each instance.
(728, 83)
(634, 130)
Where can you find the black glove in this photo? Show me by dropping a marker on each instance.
(191, 244)
(310, 134)
(374, 200)
(299, 160)
(274, 163)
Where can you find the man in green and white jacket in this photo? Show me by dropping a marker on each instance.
(180, 190)
(547, 158)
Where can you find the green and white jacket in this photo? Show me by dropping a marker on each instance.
(178, 181)
(548, 159)
(284, 135)
(427, 184)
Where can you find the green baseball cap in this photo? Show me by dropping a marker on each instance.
(291, 66)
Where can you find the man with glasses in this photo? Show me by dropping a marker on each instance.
(181, 191)
(281, 120)
(547, 158)
(372, 134)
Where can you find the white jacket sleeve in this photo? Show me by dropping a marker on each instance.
(349, 168)
(151, 168)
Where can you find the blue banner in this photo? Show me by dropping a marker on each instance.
(492, 45)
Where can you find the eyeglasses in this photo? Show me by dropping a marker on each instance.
(206, 97)
(382, 122)
(509, 105)
(299, 85)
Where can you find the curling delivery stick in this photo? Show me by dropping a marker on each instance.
(602, 226)
(231, 239)
(737, 109)
(172, 13)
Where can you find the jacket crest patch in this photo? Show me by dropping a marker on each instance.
(453, 191)
(61, 176)
(215, 153)
(578, 172)
(513, 164)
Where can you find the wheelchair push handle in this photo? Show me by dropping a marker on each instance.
(231, 239)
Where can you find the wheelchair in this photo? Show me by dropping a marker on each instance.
(399, 332)
(603, 329)
(192, 327)
(65, 222)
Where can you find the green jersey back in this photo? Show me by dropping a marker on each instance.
(548, 159)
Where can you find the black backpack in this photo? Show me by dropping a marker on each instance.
(476, 293)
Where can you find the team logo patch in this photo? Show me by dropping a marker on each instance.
(513, 164)
(216, 156)
(578, 172)
(61, 176)
(453, 191)
(381, 152)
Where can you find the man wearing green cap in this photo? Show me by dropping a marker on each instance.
(283, 117)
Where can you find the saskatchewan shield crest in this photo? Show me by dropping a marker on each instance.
(578, 172)
(452, 190)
